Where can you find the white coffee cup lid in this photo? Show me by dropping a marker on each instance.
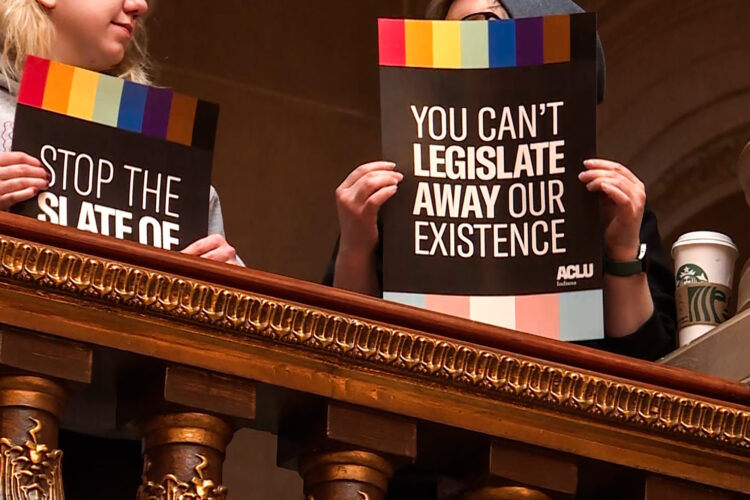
(704, 237)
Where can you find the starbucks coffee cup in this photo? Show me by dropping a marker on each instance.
(704, 263)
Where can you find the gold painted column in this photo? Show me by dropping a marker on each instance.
(505, 470)
(345, 452)
(30, 464)
(182, 414)
(184, 456)
(505, 493)
(345, 475)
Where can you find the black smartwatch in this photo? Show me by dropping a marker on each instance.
(628, 267)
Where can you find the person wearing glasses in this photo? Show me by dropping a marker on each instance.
(639, 309)
(468, 11)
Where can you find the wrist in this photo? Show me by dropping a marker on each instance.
(622, 253)
(355, 254)
(355, 270)
(630, 267)
(357, 245)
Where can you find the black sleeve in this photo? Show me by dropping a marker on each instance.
(331, 267)
(656, 337)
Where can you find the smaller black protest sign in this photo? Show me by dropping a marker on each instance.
(125, 160)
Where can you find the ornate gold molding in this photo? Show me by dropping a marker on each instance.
(504, 376)
(31, 470)
(171, 488)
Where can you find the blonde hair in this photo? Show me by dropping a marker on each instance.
(26, 29)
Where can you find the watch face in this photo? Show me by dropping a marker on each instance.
(642, 251)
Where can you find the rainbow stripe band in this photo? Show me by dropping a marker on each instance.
(568, 316)
(474, 44)
(94, 97)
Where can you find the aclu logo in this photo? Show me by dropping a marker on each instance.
(569, 275)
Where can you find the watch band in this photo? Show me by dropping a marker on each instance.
(628, 267)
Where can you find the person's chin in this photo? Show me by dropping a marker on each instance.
(114, 56)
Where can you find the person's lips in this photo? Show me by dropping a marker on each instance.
(126, 27)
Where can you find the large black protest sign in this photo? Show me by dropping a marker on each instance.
(490, 122)
(125, 160)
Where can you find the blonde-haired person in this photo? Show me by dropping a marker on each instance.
(107, 36)
(639, 311)
(29, 29)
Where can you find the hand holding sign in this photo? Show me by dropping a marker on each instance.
(21, 178)
(622, 205)
(213, 247)
(629, 304)
(358, 200)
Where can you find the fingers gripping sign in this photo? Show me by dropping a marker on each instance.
(358, 201)
(213, 247)
(21, 178)
(623, 204)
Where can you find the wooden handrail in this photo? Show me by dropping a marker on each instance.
(354, 304)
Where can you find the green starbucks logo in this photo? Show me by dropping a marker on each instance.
(702, 304)
(690, 273)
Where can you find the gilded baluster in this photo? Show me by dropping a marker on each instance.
(30, 466)
(345, 475)
(183, 457)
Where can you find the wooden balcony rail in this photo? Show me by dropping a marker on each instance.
(181, 352)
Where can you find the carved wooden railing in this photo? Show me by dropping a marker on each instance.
(354, 387)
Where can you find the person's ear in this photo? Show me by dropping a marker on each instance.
(47, 4)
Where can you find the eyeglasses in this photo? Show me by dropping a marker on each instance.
(482, 16)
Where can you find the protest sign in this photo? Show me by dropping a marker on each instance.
(490, 123)
(124, 159)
